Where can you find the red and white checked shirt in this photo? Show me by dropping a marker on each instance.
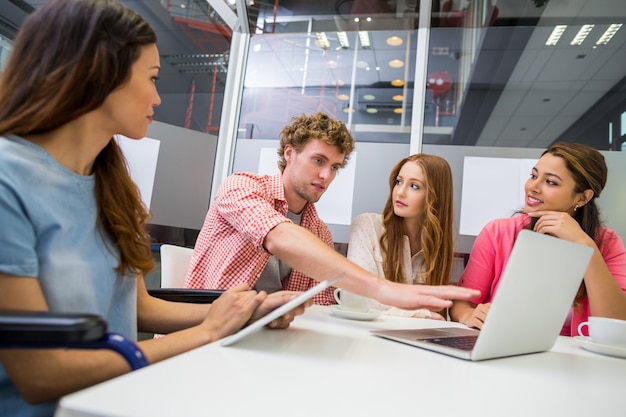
(229, 249)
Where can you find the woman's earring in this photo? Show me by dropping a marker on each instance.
(576, 208)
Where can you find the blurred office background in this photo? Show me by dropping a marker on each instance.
(458, 78)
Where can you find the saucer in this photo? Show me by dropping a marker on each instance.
(588, 344)
(336, 310)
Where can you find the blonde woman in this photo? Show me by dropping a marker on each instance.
(411, 242)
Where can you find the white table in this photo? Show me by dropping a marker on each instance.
(327, 366)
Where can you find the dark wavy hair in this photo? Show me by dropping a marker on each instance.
(315, 126)
(437, 235)
(67, 57)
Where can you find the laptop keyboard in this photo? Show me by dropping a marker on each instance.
(458, 342)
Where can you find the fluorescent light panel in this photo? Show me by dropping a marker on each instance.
(556, 34)
(322, 40)
(343, 40)
(608, 34)
(364, 37)
(581, 35)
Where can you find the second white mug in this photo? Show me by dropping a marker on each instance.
(351, 301)
(605, 331)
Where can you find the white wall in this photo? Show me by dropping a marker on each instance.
(184, 172)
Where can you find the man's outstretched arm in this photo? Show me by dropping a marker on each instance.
(303, 251)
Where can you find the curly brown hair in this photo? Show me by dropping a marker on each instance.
(315, 126)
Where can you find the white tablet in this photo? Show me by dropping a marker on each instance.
(274, 314)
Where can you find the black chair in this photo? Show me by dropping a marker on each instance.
(41, 330)
(186, 295)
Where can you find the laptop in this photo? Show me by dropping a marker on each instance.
(274, 314)
(534, 297)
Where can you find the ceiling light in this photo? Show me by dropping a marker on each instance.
(348, 109)
(394, 41)
(556, 34)
(343, 97)
(322, 40)
(397, 83)
(362, 64)
(608, 34)
(581, 35)
(398, 110)
(396, 63)
(398, 97)
(343, 40)
(364, 37)
(372, 110)
(369, 97)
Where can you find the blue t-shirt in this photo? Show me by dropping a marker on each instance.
(49, 231)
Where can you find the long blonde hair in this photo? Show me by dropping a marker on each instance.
(437, 235)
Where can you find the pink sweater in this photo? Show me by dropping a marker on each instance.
(493, 247)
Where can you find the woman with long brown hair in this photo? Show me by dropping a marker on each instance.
(412, 241)
(73, 226)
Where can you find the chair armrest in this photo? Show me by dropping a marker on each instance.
(48, 328)
(186, 295)
(45, 329)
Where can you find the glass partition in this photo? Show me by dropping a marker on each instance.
(511, 73)
(359, 70)
(540, 72)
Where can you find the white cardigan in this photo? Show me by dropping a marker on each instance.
(364, 250)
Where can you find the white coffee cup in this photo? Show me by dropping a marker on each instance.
(351, 301)
(605, 331)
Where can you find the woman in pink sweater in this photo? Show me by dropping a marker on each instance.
(560, 200)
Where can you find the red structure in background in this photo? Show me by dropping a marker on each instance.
(190, 105)
(440, 83)
(210, 128)
(207, 37)
(210, 35)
